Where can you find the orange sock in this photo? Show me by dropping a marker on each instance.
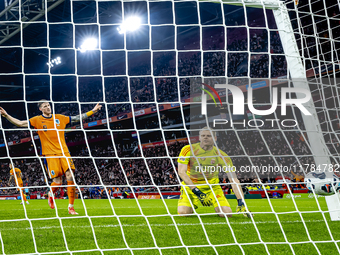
(23, 196)
(71, 191)
(55, 189)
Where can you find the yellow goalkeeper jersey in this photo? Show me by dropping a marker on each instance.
(204, 165)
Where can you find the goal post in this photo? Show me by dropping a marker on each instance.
(312, 124)
(296, 70)
(299, 79)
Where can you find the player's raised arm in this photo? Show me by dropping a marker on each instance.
(10, 180)
(14, 121)
(83, 116)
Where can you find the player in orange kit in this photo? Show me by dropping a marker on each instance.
(18, 181)
(57, 159)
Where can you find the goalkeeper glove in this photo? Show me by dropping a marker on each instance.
(204, 199)
(242, 209)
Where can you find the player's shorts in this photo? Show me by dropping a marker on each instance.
(20, 184)
(184, 199)
(57, 167)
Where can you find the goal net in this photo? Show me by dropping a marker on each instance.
(262, 74)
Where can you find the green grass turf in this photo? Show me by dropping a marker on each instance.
(101, 226)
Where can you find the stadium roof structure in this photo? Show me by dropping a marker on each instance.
(31, 10)
(28, 28)
(31, 21)
(60, 13)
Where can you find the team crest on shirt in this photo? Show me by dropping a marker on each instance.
(57, 121)
(213, 161)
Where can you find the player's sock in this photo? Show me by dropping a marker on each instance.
(23, 196)
(55, 187)
(71, 190)
(240, 202)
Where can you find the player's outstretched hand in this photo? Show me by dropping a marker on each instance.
(97, 108)
(205, 200)
(3, 112)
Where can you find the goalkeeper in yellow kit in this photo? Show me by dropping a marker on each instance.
(199, 164)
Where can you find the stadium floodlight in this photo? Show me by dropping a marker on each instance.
(130, 24)
(88, 44)
(55, 61)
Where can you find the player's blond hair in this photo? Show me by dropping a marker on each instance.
(42, 101)
(208, 129)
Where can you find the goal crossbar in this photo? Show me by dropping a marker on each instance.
(267, 4)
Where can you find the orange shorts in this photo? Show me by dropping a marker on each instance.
(57, 165)
(20, 184)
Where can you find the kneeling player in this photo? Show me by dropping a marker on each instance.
(196, 165)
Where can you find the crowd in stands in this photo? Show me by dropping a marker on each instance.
(142, 89)
(318, 51)
(167, 90)
(214, 64)
(189, 63)
(32, 175)
(164, 64)
(284, 147)
(158, 165)
(259, 66)
(115, 89)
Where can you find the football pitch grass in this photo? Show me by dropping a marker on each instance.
(233, 236)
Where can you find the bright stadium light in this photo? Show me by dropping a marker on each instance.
(88, 44)
(129, 25)
(55, 61)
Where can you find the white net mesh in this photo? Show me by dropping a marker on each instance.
(149, 78)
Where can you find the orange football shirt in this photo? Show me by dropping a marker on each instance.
(18, 175)
(48, 135)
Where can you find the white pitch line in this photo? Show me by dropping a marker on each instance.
(125, 207)
(164, 225)
(120, 207)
